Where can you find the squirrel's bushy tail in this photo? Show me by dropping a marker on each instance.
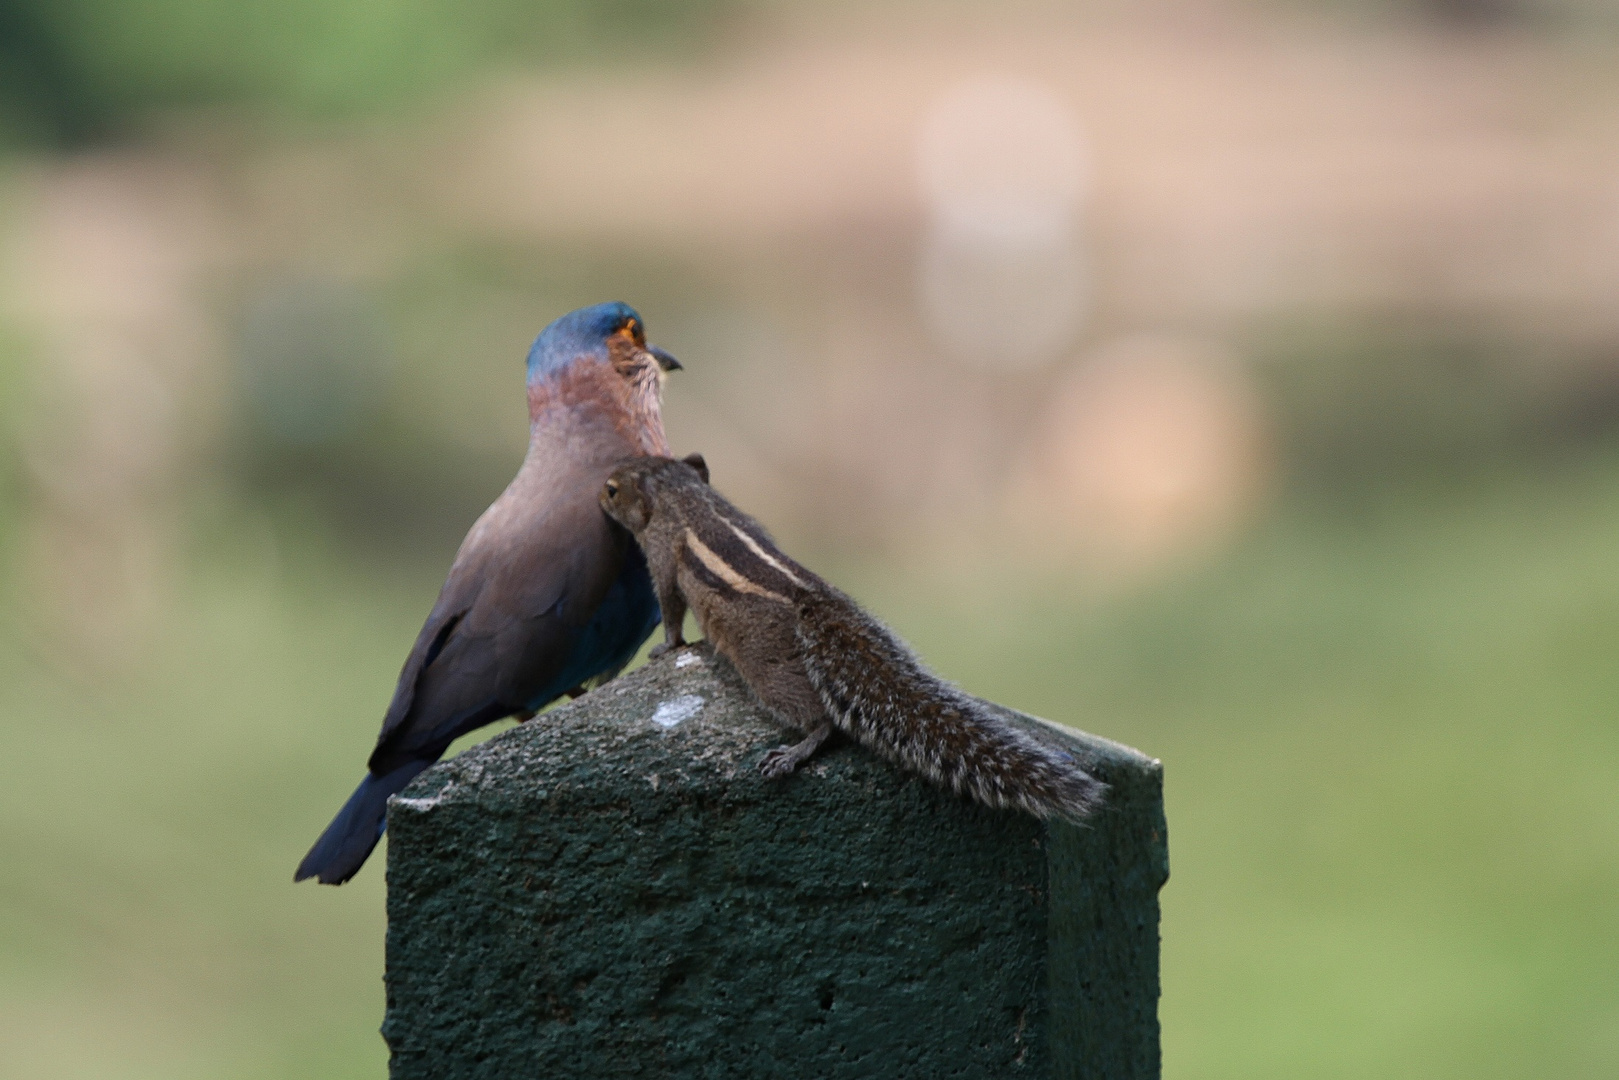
(878, 693)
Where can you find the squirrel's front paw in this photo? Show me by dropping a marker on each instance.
(778, 762)
(660, 648)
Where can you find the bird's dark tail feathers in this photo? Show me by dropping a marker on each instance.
(878, 693)
(347, 842)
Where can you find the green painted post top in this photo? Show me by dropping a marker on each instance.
(613, 891)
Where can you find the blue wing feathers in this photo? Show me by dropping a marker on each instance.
(627, 615)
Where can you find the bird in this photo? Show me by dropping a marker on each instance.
(546, 594)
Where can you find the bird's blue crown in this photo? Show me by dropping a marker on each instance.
(577, 334)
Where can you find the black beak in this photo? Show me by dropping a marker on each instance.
(664, 359)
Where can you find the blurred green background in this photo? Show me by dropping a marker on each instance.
(1236, 380)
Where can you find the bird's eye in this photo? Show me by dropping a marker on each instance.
(612, 488)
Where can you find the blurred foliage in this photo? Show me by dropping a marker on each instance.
(1543, 14)
(1419, 397)
(13, 400)
(77, 70)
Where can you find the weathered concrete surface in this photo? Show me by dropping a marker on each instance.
(611, 890)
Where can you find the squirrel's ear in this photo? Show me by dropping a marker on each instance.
(696, 461)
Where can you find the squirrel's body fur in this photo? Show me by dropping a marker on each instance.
(816, 659)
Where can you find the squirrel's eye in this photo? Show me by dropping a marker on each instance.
(612, 488)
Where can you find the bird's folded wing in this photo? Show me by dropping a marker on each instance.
(529, 575)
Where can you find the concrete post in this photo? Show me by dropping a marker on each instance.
(611, 890)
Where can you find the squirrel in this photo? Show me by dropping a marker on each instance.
(815, 659)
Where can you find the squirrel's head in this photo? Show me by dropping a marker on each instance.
(630, 494)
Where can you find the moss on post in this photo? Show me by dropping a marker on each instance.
(612, 890)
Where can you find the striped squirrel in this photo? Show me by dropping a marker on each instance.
(815, 659)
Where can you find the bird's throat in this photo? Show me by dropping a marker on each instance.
(593, 393)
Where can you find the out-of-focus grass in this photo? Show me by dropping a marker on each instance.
(1389, 740)
(150, 926)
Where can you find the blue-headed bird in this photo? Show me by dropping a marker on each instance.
(546, 594)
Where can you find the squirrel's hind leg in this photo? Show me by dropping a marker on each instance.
(784, 759)
(775, 673)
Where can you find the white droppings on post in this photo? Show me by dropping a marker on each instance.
(677, 710)
(686, 659)
(419, 805)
